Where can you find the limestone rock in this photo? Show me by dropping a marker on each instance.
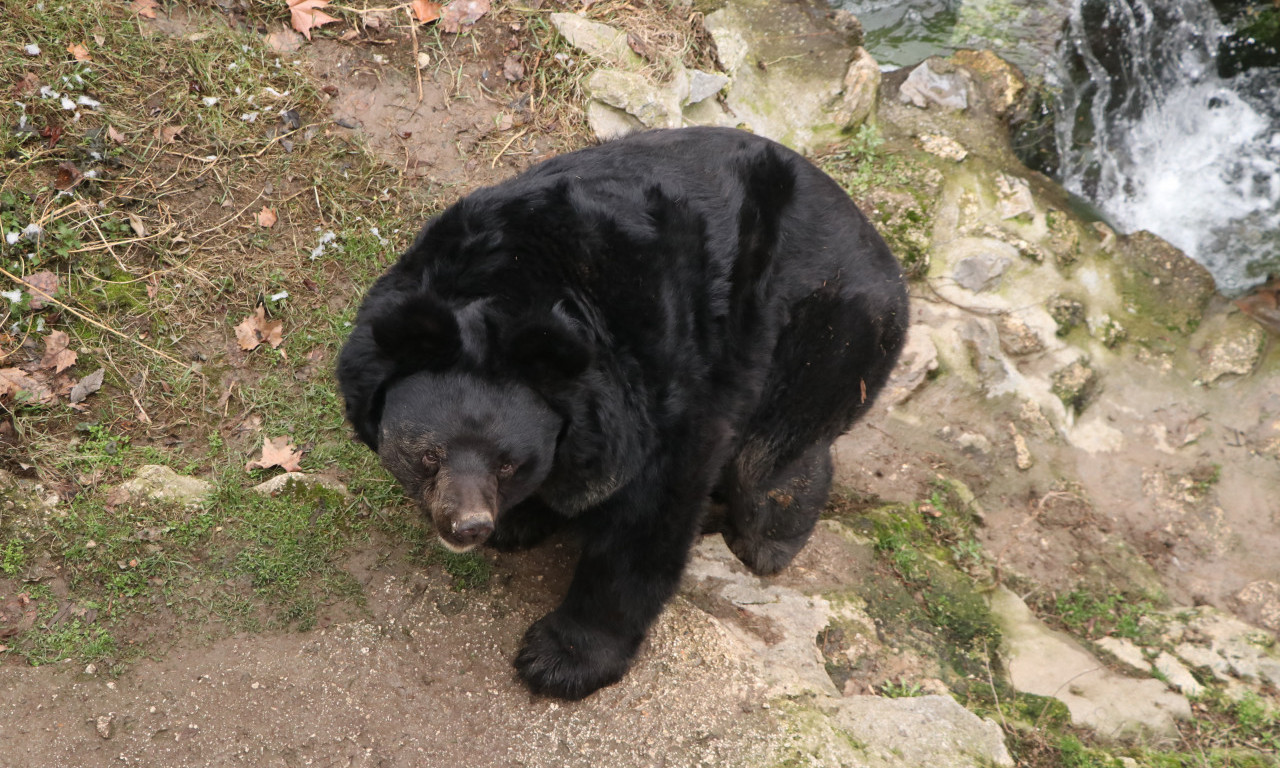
(160, 483)
(891, 730)
(1016, 337)
(1234, 351)
(704, 85)
(280, 482)
(608, 122)
(1014, 198)
(936, 82)
(1262, 599)
(598, 40)
(919, 358)
(790, 71)
(980, 272)
(1075, 385)
(1049, 663)
(1178, 676)
(944, 147)
(1001, 82)
(633, 93)
(1126, 651)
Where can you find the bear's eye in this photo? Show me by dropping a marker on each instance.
(506, 471)
(431, 461)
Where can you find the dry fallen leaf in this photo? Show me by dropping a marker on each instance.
(87, 386)
(257, 329)
(68, 176)
(512, 69)
(462, 12)
(56, 354)
(16, 383)
(425, 10)
(79, 52)
(43, 284)
(266, 217)
(283, 40)
(137, 225)
(306, 14)
(144, 8)
(277, 452)
(115, 135)
(168, 134)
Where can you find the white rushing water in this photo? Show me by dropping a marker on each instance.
(1158, 141)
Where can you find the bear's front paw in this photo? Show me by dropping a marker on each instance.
(567, 660)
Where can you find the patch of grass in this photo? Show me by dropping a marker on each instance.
(469, 570)
(1092, 616)
(901, 690)
(67, 640)
(13, 557)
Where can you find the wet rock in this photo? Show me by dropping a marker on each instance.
(794, 78)
(280, 483)
(1013, 198)
(1234, 350)
(161, 483)
(936, 82)
(1160, 283)
(1049, 663)
(975, 443)
(980, 272)
(1066, 312)
(1075, 385)
(944, 147)
(1108, 331)
(1001, 82)
(1016, 337)
(600, 41)
(889, 733)
(983, 345)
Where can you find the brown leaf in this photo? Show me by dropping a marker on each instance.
(144, 8)
(56, 354)
(68, 175)
(43, 284)
(641, 47)
(168, 134)
(283, 40)
(28, 83)
(462, 12)
(277, 452)
(425, 10)
(14, 382)
(115, 135)
(266, 217)
(256, 329)
(79, 51)
(306, 15)
(87, 386)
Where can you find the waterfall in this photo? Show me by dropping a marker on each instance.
(1150, 133)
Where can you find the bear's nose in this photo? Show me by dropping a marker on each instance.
(471, 530)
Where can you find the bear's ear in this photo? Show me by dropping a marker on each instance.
(549, 350)
(363, 373)
(419, 332)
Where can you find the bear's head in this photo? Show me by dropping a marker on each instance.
(457, 403)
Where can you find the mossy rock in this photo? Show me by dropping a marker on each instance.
(1160, 283)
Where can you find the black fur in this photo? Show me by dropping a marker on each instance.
(607, 340)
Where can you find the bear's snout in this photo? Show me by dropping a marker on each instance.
(467, 531)
(463, 509)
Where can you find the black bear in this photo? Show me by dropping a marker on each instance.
(609, 342)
